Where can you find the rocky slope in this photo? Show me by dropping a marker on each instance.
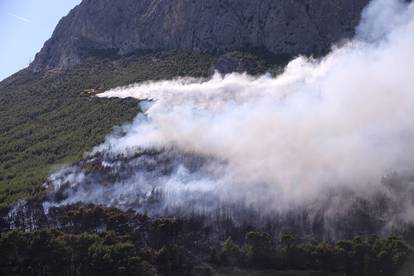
(283, 27)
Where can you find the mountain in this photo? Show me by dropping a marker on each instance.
(112, 28)
(48, 121)
(113, 43)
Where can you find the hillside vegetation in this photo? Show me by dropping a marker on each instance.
(45, 122)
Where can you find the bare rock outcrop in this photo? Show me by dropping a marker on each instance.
(282, 27)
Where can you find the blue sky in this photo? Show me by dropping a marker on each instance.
(24, 26)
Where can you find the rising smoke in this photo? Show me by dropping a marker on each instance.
(325, 136)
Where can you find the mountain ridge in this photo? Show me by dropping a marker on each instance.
(107, 28)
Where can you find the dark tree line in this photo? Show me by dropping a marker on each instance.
(55, 253)
(94, 240)
(361, 257)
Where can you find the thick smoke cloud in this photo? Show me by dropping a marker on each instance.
(324, 135)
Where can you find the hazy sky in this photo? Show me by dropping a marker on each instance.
(24, 26)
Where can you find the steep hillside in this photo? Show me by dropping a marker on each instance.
(287, 27)
(46, 122)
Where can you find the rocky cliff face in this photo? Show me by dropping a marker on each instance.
(283, 27)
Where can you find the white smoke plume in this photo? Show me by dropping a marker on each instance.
(322, 133)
